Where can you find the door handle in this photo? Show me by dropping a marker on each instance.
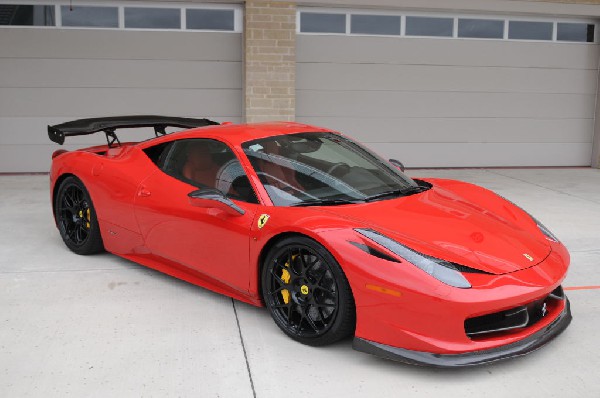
(143, 192)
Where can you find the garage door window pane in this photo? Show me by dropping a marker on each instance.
(481, 28)
(209, 19)
(427, 26)
(575, 32)
(103, 17)
(313, 22)
(375, 24)
(152, 18)
(26, 15)
(526, 30)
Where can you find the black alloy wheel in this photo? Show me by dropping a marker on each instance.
(76, 218)
(307, 293)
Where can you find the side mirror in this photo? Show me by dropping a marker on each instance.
(214, 199)
(397, 163)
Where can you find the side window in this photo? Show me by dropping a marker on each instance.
(206, 163)
(157, 153)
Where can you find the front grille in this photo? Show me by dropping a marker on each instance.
(514, 318)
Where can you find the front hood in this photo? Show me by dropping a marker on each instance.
(440, 223)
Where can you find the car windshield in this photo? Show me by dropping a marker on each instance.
(323, 169)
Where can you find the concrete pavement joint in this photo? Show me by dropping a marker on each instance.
(541, 186)
(237, 320)
(585, 251)
(66, 270)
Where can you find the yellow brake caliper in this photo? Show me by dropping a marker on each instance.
(285, 277)
(87, 217)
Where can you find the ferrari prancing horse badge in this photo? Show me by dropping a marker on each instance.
(262, 220)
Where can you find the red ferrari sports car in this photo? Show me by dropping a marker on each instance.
(332, 239)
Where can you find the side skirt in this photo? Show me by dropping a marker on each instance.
(195, 278)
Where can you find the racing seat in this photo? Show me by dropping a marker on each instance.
(199, 166)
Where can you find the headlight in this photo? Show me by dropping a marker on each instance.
(540, 226)
(544, 230)
(441, 270)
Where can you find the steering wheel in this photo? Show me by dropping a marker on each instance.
(337, 166)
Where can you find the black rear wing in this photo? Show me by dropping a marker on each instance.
(108, 125)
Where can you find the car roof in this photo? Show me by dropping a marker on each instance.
(237, 134)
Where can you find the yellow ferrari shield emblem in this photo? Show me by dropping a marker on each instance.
(262, 220)
(304, 289)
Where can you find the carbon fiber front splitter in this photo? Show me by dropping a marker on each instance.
(473, 358)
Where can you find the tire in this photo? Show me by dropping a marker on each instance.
(307, 293)
(76, 218)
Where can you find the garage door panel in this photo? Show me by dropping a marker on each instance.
(54, 75)
(101, 44)
(485, 154)
(465, 130)
(112, 101)
(34, 158)
(396, 77)
(469, 52)
(28, 158)
(371, 104)
(23, 72)
(33, 130)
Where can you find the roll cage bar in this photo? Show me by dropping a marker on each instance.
(108, 125)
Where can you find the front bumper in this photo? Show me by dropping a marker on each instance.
(522, 347)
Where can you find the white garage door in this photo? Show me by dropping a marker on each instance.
(55, 74)
(525, 98)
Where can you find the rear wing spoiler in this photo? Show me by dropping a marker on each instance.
(108, 125)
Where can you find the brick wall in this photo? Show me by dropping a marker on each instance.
(270, 61)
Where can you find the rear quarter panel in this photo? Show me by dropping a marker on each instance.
(112, 183)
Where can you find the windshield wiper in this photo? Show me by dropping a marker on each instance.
(326, 202)
(397, 192)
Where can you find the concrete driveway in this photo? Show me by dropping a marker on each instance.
(101, 326)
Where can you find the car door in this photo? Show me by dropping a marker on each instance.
(206, 240)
